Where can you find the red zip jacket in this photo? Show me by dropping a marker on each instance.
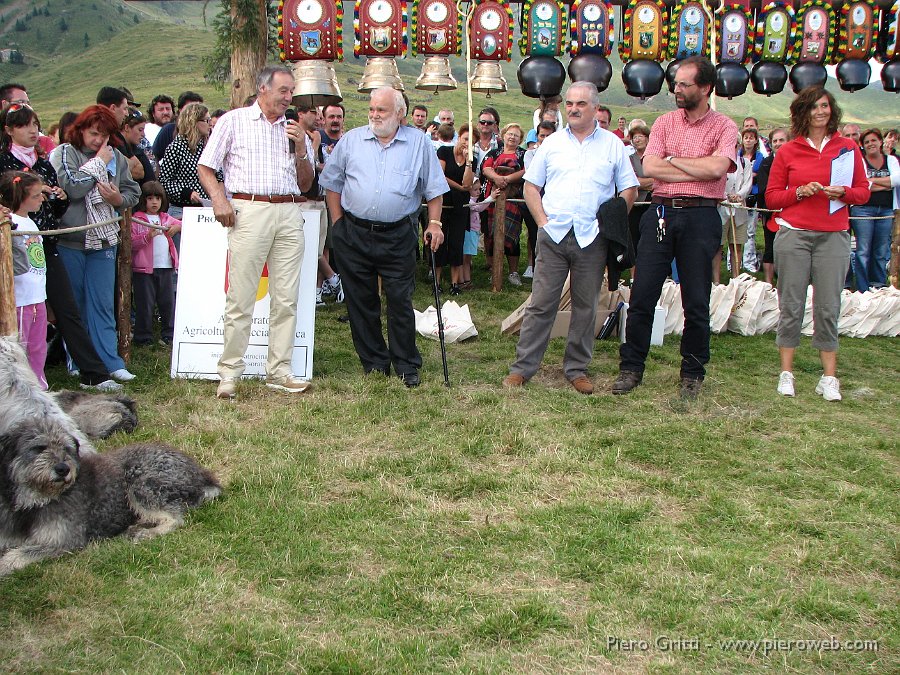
(798, 163)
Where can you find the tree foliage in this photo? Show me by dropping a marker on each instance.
(217, 65)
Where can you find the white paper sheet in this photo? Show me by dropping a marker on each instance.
(841, 174)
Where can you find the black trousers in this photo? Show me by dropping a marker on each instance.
(692, 238)
(152, 291)
(366, 255)
(68, 320)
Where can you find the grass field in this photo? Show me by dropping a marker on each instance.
(368, 528)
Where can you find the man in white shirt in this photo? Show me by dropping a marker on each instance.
(579, 168)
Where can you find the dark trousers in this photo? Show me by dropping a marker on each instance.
(692, 238)
(366, 255)
(152, 291)
(68, 320)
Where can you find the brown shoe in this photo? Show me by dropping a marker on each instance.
(690, 388)
(583, 385)
(513, 381)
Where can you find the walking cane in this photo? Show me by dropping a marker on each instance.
(437, 304)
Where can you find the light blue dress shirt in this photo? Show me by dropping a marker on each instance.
(384, 183)
(577, 178)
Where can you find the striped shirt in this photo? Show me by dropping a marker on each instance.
(252, 153)
(713, 135)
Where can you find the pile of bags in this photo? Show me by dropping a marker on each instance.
(748, 306)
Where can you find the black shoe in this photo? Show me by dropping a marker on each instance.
(690, 388)
(626, 381)
(410, 380)
(386, 371)
(455, 290)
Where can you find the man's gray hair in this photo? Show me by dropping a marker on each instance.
(267, 74)
(398, 98)
(593, 94)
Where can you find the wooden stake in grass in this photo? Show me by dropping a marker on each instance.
(123, 288)
(894, 267)
(8, 324)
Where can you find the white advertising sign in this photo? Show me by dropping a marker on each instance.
(200, 307)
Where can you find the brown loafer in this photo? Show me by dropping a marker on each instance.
(583, 385)
(513, 380)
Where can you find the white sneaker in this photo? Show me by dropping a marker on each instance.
(107, 387)
(514, 279)
(319, 301)
(122, 375)
(829, 387)
(226, 388)
(529, 272)
(786, 383)
(335, 287)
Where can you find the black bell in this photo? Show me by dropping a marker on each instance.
(591, 68)
(670, 75)
(890, 76)
(643, 78)
(805, 75)
(853, 74)
(541, 76)
(731, 80)
(768, 77)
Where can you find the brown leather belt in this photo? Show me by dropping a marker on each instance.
(270, 199)
(685, 202)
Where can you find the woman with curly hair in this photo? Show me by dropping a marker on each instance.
(178, 169)
(98, 182)
(812, 245)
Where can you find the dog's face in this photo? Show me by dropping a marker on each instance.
(39, 461)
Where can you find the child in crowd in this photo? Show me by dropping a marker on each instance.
(154, 261)
(470, 243)
(22, 193)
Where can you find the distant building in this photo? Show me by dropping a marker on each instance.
(11, 56)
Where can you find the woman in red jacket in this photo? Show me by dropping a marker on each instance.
(813, 179)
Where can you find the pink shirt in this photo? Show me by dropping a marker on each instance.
(713, 135)
(252, 153)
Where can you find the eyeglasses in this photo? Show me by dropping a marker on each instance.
(206, 119)
(485, 122)
(15, 107)
(684, 85)
(135, 115)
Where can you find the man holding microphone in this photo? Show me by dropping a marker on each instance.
(262, 156)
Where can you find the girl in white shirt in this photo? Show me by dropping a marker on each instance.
(23, 193)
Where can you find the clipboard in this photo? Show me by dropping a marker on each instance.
(841, 174)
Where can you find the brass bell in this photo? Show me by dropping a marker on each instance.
(380, 71)
(436, 75)
(315, 84)
(488, 77)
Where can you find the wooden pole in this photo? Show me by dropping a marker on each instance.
(123, 287)
(8, 325)
(894, 266)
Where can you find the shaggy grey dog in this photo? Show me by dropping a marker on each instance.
(52, 500)
(83, 415)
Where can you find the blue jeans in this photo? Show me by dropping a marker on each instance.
(873, 245)
(93, 278)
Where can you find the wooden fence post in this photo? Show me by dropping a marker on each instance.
(894, 266)
(123, 287)
(8, 324)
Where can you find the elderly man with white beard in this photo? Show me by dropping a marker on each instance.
(375, 180)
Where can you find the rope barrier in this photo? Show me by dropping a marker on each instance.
(84, 228)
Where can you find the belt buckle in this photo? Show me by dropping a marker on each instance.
(677, 203)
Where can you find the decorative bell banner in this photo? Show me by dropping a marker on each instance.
(689, 27)
(889, 34)
(310, 29)
(776, 28)
(436, 27)
(544, 27)
(814, 39)
(645, 36)
(735, 30)
(858, 30)
(491, 31)
(380, 28)
(591, 28)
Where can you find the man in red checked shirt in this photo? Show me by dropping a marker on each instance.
(689, 154)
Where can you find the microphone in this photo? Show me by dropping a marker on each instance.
(291, 114)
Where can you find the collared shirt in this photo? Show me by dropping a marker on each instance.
(384, 183)
(252, 153)
(713, 135)
(577, 178)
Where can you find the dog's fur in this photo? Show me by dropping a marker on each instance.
(84, 416)
(52, 501)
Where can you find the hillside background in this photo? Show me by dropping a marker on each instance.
(73, 47)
